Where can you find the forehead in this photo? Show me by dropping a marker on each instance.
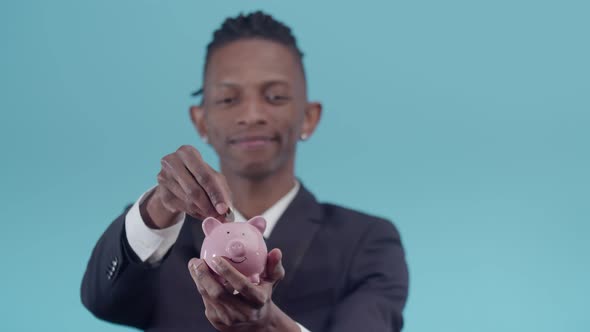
(253, 61)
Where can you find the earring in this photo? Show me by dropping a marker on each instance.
(304, 136)
(205, 139)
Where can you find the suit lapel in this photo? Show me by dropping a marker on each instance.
(294, 232)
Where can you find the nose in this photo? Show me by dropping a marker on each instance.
(236, 248)
(252, 113)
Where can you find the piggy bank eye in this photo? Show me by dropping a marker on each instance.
(227, 232)
(243, 234)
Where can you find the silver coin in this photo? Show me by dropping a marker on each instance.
(229, 215)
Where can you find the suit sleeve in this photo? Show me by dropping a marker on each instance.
(377, 284)
(117, 286)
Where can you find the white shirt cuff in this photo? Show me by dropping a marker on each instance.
(149, 244)
(303, 329)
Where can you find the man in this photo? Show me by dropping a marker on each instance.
(339, 270)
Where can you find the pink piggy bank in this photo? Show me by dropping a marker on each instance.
(240, 243)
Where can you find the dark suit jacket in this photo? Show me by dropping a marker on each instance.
(345, 271)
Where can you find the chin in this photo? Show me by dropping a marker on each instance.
(256, 170)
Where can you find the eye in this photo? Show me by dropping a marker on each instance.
(225, 101)
(277, 98)
(227, 232)
(244, 234)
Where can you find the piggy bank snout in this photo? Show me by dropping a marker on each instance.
(236, 248)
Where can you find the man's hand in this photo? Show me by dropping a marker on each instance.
(252, 308)
(186, 183)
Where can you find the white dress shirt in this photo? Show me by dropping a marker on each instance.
(151, 245)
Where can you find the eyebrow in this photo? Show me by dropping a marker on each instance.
(266, 84)
(197, 93)
(201, 90)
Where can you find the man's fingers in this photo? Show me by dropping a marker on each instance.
(240, 283)
(172, 196)
(221, 304)
(222, 315)
(229, 214)
(215, 314)
(202, 191)
(207, 178)
(222, 308)
(205, 279)
(274, 271)
(174, 167)
(176, 175)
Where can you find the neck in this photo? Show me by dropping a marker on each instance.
(253, 196)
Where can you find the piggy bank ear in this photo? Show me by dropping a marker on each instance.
(209, 224)
(258, 222)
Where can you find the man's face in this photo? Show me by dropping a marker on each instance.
(255, 106)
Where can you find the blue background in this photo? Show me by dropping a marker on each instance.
(466, 122)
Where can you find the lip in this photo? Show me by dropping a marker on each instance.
(252, 141)
(238, 262)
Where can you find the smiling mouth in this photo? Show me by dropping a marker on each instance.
(238, 261)
(252, 140)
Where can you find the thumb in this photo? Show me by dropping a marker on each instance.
(275, 271)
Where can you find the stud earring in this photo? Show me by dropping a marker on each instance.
(304, 136)
(205, 139)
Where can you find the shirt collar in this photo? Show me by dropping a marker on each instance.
(273, 213)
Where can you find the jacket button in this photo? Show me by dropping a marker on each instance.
(112, 267)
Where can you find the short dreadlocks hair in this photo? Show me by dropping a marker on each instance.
(256, 25)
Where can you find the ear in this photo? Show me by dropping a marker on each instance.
(311, 118)
(258, 222)
(209, 224)
(197, 113)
